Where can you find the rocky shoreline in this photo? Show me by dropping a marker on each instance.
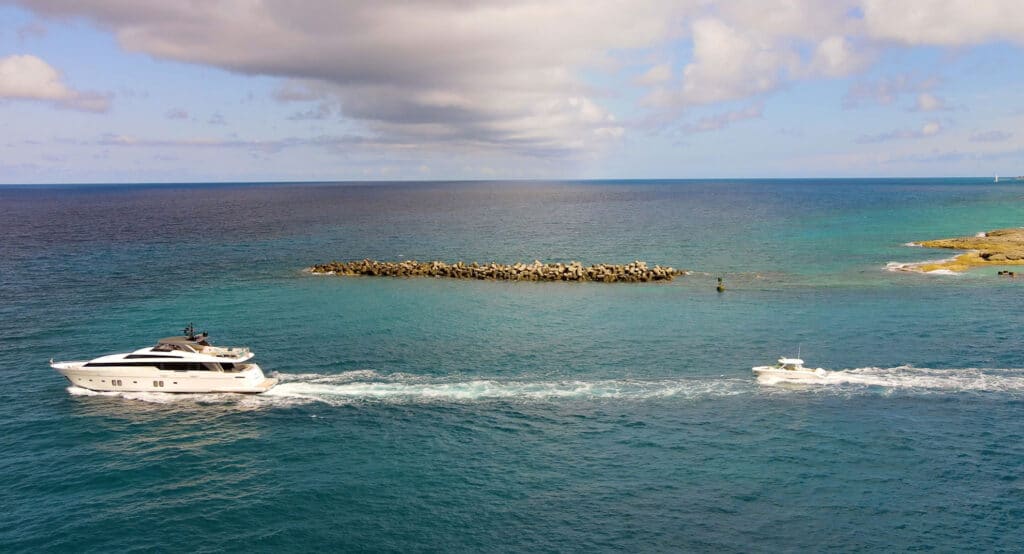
(998, 247)
(636, 272)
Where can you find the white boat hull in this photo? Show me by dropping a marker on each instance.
(776, 373)
(148, 379)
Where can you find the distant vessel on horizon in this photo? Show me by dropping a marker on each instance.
(185, 364)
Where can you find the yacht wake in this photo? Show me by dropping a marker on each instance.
(401, 388)
(367, 386)
(161, 397)
(352, 387)
(921, 379)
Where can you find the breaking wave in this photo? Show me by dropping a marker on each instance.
(915, 267)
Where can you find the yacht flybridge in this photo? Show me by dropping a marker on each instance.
(186, 363)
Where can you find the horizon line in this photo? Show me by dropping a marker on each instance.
(509, 180)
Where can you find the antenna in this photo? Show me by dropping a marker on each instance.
(798, 350)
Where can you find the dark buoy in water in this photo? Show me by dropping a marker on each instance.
(721, 286)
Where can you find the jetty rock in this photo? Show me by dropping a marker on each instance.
(635, 272)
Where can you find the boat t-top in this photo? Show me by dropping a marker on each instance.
(790, 369)
(185, 363)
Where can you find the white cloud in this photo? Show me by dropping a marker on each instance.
(27, 77)
(806, 20)
(835, 56)
(728, 64)
(945, 22)
(748, 48)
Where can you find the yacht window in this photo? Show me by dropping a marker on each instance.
(166, 366)
(180, 366)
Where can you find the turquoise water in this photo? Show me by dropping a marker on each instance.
(426, 414)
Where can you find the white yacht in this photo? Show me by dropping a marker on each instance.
(790, 369)
(187, 363)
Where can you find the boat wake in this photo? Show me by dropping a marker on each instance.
(919, 379)
(164, 397)
(357, 386)
(401, 388)
(367, 386)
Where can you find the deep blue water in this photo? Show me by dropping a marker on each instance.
(424, 414)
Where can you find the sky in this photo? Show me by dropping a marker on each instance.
(122, 91)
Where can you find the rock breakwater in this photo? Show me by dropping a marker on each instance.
(636, 272)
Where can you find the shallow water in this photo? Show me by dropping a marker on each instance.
(439, 414)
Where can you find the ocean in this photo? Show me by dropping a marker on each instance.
(445, 415)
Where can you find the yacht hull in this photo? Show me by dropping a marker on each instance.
(144, 379)
(796, 375)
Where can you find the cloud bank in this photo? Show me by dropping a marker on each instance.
(543, 78)
(487, 74)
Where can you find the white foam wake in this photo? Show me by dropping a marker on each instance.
(923, 379)
(162, 397)
(343, 389)
(369, 386)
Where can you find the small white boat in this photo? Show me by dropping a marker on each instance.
(187, 363)
(789, 369)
